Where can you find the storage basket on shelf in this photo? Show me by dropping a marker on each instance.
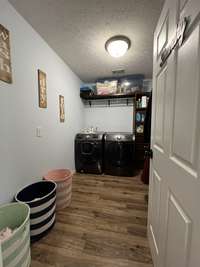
(41, 198)
(15, 250)
(107, 87)
(63, 179)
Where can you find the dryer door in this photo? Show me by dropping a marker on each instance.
(119, 158)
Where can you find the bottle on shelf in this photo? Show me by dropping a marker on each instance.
(139, 103)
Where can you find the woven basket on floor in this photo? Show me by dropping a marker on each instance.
(15, 251)
(41, 198)
(63, 179)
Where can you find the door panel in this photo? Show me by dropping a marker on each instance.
(178, 234)
(191, 10)
(162, 37)
(174, 197)
(159, 145)
(156, 190)
(160, 109)
(182, 3)
(186, 102)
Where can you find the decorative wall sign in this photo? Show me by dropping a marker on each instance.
(5, 60)
(62, 108)
(42, 89)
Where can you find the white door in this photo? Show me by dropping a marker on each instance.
(174, 199)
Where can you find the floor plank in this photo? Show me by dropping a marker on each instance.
(104, 226)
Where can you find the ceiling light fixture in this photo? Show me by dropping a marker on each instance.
(118, 45)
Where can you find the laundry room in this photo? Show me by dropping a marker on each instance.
(99, 133)
(115, 112)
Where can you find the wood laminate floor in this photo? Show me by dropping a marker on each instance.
(105, 226)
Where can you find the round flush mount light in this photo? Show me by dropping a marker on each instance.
(118, 45)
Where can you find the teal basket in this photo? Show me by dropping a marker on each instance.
(15, 251)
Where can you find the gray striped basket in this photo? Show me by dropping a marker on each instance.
(15, 251)
(41, 198)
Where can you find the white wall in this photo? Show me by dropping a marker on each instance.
(23, 156)
(109, 119)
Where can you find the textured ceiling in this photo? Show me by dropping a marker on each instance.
(78, 29)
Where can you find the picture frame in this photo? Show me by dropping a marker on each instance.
(62, 108)
(5, 55)
(42, 89)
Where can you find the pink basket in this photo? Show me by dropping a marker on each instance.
(63, 179)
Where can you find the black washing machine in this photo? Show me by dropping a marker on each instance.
(89, 153)
(119, 154)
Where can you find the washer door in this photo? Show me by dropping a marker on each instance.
(87, 151)
(88, 156)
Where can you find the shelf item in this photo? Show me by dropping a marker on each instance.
(144, 101)
(107, 87)
(147, 85)
(140, 129)
(131, 83)
(88, 89)
(140, 116)
(141, 103)
(143, 118)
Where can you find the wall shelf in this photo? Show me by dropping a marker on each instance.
(113, 100)
(109, 100)
(96, 97)
(140, 109)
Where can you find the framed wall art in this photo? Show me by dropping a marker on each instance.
(62, 108)
(5, 58)
(42, 89)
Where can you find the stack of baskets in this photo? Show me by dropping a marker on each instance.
(33, 215)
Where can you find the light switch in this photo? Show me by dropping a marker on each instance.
(39, 131)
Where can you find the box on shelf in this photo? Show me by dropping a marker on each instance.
(147, 85)
(131, 83)
(107, 87)
(88, 89)
(128, 84)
